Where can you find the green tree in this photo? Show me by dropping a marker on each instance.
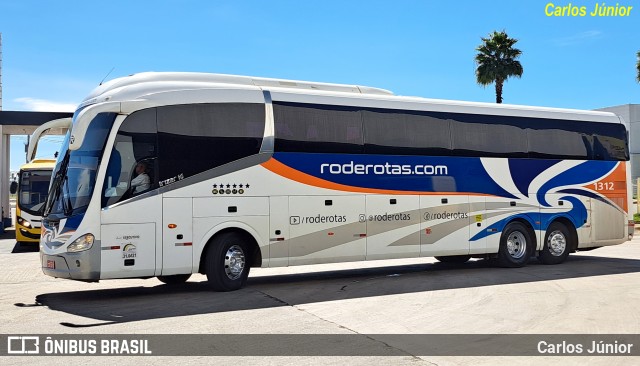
(497, 61)
(638, 67)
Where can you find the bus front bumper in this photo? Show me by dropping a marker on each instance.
(81, 266)
(24, 234)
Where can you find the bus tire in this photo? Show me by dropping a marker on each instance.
(227, 262)
(453, 258)
(516, 245)
(174, 279)
(557, 244)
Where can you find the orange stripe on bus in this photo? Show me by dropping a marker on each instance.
(613, 186)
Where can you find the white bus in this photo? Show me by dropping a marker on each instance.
(168, 174)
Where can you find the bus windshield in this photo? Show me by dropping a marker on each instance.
(34, 185)
(74, 176)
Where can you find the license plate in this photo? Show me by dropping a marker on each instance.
(51, 264)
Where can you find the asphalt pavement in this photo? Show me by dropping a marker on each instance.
(594, 292)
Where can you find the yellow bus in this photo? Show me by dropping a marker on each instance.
(32, 189)
(33, 184)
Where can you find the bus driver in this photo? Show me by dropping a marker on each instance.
(141, 182)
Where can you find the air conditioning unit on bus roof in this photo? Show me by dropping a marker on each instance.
(319, 86)
(247, 80)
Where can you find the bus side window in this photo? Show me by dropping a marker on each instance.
(135, 143)
(318, 128)
(195, 138)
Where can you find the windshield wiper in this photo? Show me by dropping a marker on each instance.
(67, 206)
(56, 186)
(53, 196)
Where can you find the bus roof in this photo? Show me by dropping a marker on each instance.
(151, 85)
(39, 164)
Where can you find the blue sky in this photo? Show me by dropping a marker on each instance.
(54, 53)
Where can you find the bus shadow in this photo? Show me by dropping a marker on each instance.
(143, 303)
(25, 248)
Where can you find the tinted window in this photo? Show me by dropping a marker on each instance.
(198, 137)
(316, 128)
(488, 138)
(133, 164)
(559, 139)
(577, 140)
(335, 129)
(610, 142)
(405, 133)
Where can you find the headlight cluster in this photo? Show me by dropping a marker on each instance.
(23, 222)
(85, 242)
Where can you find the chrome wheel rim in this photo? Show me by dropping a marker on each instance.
(234, 262)
(516, 245)
(557, 243)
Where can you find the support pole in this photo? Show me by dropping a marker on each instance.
(4, 175)
(637, 195)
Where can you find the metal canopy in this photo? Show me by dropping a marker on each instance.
(24, 123)
(17, 123)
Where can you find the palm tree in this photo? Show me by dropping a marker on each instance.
(497, 61)
(638, 67)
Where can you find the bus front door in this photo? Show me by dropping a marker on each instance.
(128, 240)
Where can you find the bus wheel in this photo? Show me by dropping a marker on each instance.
(453, 258)
(174, 279)
(516, 246)
(557, 244)
(227, 264)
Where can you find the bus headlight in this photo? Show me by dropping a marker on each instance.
(84, 242)
(23, 222)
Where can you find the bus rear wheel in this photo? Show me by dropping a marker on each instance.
(227, 262)
(557, 244)
(174, 279)
(453, 258)
(516, 245)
